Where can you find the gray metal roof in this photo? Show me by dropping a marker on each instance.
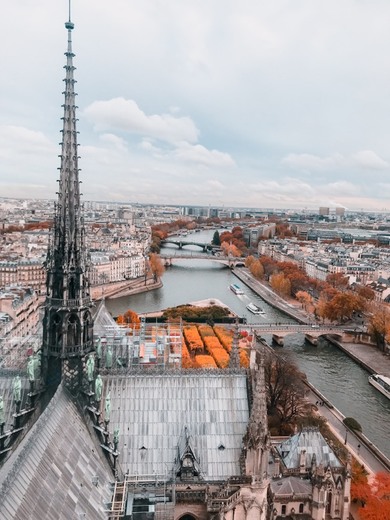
(313, 443)
(51, 473)
(151, 412)
(290, 486)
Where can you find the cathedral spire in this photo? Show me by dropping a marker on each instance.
(256, 439)
(67, 323)
(234, 361)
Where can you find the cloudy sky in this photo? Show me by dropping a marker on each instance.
(253, 103)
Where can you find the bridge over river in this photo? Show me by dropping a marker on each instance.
(229, 261)
(182, 243)
(311, 332)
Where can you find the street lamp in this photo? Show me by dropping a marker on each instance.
(346, 437)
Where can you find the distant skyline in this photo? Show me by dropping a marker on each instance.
(280, 104)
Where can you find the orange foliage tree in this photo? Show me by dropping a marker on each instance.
(156, 266)
(379, 324)
(338, 281)
(257, 269)
(360, 489)
(281, 284)
(377, 505)
(129, 319)
(304, 298)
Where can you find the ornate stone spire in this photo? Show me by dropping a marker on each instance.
(256, 440)
(257, 427)
(67, 328)
(234, 362)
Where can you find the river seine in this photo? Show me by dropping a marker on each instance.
(333, 373)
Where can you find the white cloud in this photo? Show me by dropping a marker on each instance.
(113, 141)
(124, 114)
(370, 160)
(309, 162)
(201, 155)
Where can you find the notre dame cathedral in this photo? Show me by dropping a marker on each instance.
(107, 425)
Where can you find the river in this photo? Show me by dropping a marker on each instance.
(333, 373)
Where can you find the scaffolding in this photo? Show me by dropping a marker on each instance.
(148, 345)
(143, 497)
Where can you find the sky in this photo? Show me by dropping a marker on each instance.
(256, 103)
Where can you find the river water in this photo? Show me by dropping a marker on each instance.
(333, 373)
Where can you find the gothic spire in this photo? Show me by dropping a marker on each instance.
(257, 432)
(67, 322)
(234, 362)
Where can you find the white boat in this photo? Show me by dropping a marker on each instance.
(381, 383)
(236, 289)
(254, 308)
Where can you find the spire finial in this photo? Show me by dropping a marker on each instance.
(69, 25)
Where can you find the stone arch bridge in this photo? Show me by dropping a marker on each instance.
(182, 243)
(311, 332)
(229, 261)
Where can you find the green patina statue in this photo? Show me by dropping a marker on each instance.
(99, 348)
(98, 387)
(31, 368)
(107, 408)
(17, 389)
(109, 356)
(90, 367)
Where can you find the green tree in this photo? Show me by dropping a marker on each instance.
(216, 241)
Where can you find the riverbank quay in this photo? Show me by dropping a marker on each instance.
(270, 297)
(367, 356)
(125, 288)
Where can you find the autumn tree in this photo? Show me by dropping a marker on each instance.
(379, 324)
(365, 292)
(269, 266)
(129, 319)
(304, 298)
(234, 237)
(343, 305)
(230, 249)
(249, 261)
(280, 284)
(285, 394)
(360, 489)
(377, 504)
(257, 270)
(156, 266)
(338, 281)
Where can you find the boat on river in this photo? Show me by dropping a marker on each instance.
(381, 383)
(236, 288)
(255, 309)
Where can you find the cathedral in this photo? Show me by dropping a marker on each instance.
(106, 425)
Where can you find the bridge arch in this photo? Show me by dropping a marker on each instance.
(182, 243)
(187, 516)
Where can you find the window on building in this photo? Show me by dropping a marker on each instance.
(301, 508)
(284, 510)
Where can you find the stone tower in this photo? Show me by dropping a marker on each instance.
(68, 324)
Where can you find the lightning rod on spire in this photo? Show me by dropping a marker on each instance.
(69, 25)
